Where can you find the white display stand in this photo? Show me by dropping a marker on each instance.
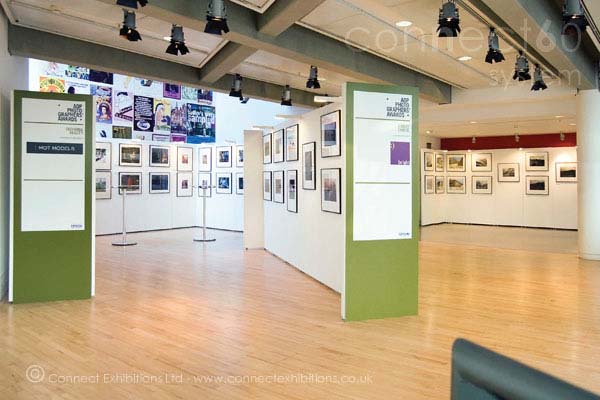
(204, 239)
(124, 242)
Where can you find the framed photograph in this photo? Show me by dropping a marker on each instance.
(185, 185)
(131, 180)
(224, 183)
(331, 141)
(456, 163)
(159, 182)
(224, 157)
(481, 185)
(278, 147)
(267, 147)
(291, 143)
(103, 156)
(309, 166)
(239, 156)
(205, 159)
(429, 184)
(457, 185)
(509, 172)
(205, 180)
(566, 172)
(536, 161)
(481, 162)
(159, 156)
(103, 185)
(185, 159)
(440, 185)
(239, 183)
(537, 185)
(130, 155)
(440, 162)
(428, 161)
(292, 191)
(278, 187)
(267, 186)
(331, 190)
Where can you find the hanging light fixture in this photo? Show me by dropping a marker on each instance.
(128, 30)
(449, 20)
(236, 87)
(574, 19)
(216, 18)
(474, 140)
(177, 45)
(286, 97)
(132, 3)
(522, 68)
(538, 78)
(494, 53)
(313, 78)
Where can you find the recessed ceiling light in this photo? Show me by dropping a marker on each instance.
(559, 116)
(428, 132)
(167, 38)
(573, 124)
(404, 24)
(465, 58)
(473, 122)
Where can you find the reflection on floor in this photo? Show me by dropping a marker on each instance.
(544, 240)
(177, 319)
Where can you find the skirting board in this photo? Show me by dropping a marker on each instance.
(171, 229)
(502, 226)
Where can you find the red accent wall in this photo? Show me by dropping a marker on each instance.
(508, 142)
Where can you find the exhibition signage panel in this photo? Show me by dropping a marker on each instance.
(51, 242)
(381, 278)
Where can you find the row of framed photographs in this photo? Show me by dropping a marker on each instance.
(282, 187)
(480, 162)
(160, 183)
(535, 185)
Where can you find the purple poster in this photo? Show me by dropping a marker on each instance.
(400, 153)
(171, 91)
(178, 118)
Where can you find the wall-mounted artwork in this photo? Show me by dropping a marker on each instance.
(131, 181)
(292, 191)
(429, 184)
(239, 183)
(456, 163)
(331, 140)
(123, 108)
(159, 156)
(428, 161)
(185, 158)
(510, 172)
(440, 185)
(457, 185)
(566, 172)
(278, 146)
(291, 143)
(201, 124)
(224, 157)
(278, 187)
(130, 155)
(481, 185)
(103, 185)
(481, 162)
(267, 186)
(309, 166)
(331, 190)
(267, 155)
(224, 183)
(536, 161)
(103, 156)
(440, 162)
(160, 182)
(205, 159)
(205, 184)
(185, 186)
(537, 185)
(239, 156)
(143, 114)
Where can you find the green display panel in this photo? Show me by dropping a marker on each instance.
(383, 202)
(51, 241)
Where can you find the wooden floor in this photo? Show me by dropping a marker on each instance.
(169, 316)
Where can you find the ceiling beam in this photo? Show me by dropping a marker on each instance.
(26, 42)
(224, 61)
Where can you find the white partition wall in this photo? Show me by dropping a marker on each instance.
(254, 234)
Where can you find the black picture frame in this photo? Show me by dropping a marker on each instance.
(281, 158)
(313, 147)
(267, 159)
(127, 164)
(338, 172)
(151, 183)
(292, 156)
(292, 203)
(238, 190)
(276, 176)
(224, 175)
(139, 189)
(338, 121)
(151, 163)
(268, 174)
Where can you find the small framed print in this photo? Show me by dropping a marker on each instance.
(331, 190)
(537, 185)
(224, 157)
(267, 149)
(440, 185)
(103, 185)
(510, 172)
(267, 186)
(291, 143)
(132, 181)
(456, 163)
(292, 191)
(159, 156)
(429, 184)
(185, 187)
(205, 159)
(185, 159)
(224, 183)
(536, 161)
(457, 185)
(481, 162)
(440, 163)
(103, 156)
(331, 141)
(566, 172)
(205, 181)
(130, 155)
(428, 161)
(309, 166)
(239, 183)
(239, 156)
(481, 185)
(278, 147)
(278, 187)
(159, 182)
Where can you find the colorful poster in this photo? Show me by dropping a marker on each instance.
(148, 88)
(103, 98)
(172, 91)
(122, 132)
(103, 131)
(124, 83)
(101, 77)
(81, 73)
(123, 108)
(178, 118)
(53, 68)
(77, 88)
(143, 119)
(189, 93)
(162, 115)
(205, 97)
(161, 138)
(201, 123)
(178, 138)
(51, 85)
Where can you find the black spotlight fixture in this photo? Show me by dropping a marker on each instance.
(286, 97)
(244, 100)
(128, 30)
(538, 78)
(494, 53)
(177, 45)
(574, 19)
(132, 3)
(236, 87)
(216, 18)
(449, 21)
(522, 68)
(313, 78)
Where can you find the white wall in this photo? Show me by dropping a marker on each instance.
(312, 240)
(508, 205)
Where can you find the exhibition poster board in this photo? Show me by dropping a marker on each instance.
(382, 226)
(51, 232)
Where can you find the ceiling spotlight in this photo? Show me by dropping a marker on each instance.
(494, 53)
(177, 45)
(522, 68)
(216, 18)
(517, 138)
(403, 24)
(286, 97)
(313, 78)
(449, 21)
(236, 87)
(132, 3)
(244, 100)
(128, 30)
(474, 140)
(538, 77)
(465, 58)
(562, 137)
(574, 19)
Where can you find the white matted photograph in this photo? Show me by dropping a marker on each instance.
(205, 159)
(185, 186)
(331, 190)
(130, 181)
(278, 187)
(239, 156)
(537, 161)
(509, 172)
(103, 160)
(224, 157)
(278, 146)
(481, 185)
(429, 184)
(160, 182)
(481, 162)
(267, 149)
(456, 163)
(566, 172)
(291, 143)
(440, 185)
(159, 156)
(292, 191)
(267, 186)
(204, 184)
(331, 141)
(130, 155)
(456, 185)
(537, 185)
(103, 185)
(224, 183)
(428, 161)
(185, 159)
